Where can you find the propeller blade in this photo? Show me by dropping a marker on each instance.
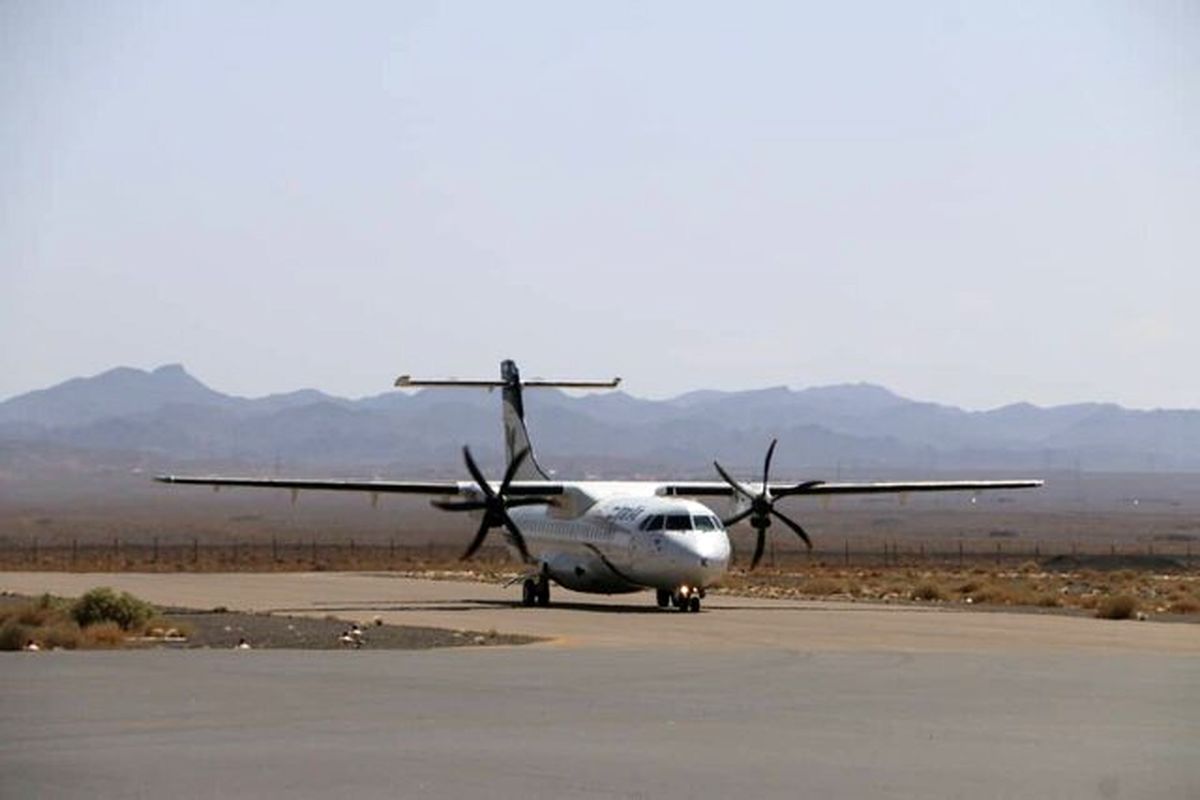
(478, 540)
(758, 547)
(511, 472)
(767, 465)
(518, 539)
(737, 486)
(736, 518)
(794, 526)
(473, 468)
(458, 505)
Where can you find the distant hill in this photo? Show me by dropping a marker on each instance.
(168, 416)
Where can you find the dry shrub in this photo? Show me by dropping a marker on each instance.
(928, 590)
(106, 605)
(14, 635)
(1118, 606)
(103, 634)
(1089, 601)
(970, 587)
(64, 634)
(1029, 567)
(1047, 600)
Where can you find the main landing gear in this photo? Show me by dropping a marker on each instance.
(536, 591)
(684, 598)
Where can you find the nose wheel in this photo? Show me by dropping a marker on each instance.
(684, 599)
(535, 592)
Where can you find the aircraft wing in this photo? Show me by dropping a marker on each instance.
(721, 489)
(518, 488)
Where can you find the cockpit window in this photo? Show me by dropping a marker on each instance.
(655, 523)
(703, 523)
(679, 522)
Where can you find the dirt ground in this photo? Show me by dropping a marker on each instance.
(225, 629)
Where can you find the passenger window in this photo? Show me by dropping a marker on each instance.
(703, 523)
(655, 523)
(679, 522)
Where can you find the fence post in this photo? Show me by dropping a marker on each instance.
(116, 547)
(999, 551)
(195, 550)
(960, 553)
(846, 546)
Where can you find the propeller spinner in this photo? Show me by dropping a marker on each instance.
(762, 505)
(494, 504)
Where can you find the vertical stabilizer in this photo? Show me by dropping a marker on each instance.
(516, 435)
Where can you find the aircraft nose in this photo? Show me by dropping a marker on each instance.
(710, 554)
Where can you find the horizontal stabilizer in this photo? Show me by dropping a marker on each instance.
(408, 381)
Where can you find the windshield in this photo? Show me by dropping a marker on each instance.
(679, 522)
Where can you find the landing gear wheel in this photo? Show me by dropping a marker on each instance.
(529, 592)
(543, 592)
(693, 604)
(663, 598)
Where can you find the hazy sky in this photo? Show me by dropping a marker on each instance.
(967, 202)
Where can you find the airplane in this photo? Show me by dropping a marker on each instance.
(607, 537)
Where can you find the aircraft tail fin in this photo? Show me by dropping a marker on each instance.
(516, 434)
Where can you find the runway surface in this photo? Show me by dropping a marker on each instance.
(749, 698)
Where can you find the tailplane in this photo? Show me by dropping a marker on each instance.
(516, 434)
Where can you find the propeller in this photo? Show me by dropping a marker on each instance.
(762, 505)
(494, 504)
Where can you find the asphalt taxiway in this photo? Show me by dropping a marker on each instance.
(750, 698)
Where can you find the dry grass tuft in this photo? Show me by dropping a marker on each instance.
(1120, 606)
(821, 587)
(1184, 605)
(104, 634)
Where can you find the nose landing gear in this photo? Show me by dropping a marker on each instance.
(685, 598)
(535, 591)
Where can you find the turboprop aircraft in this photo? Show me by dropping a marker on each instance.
(604, 537)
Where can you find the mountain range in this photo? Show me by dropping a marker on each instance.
(169, 417)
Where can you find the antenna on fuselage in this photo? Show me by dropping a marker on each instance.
(516, 435)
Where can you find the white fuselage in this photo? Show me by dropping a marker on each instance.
(622, 537)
